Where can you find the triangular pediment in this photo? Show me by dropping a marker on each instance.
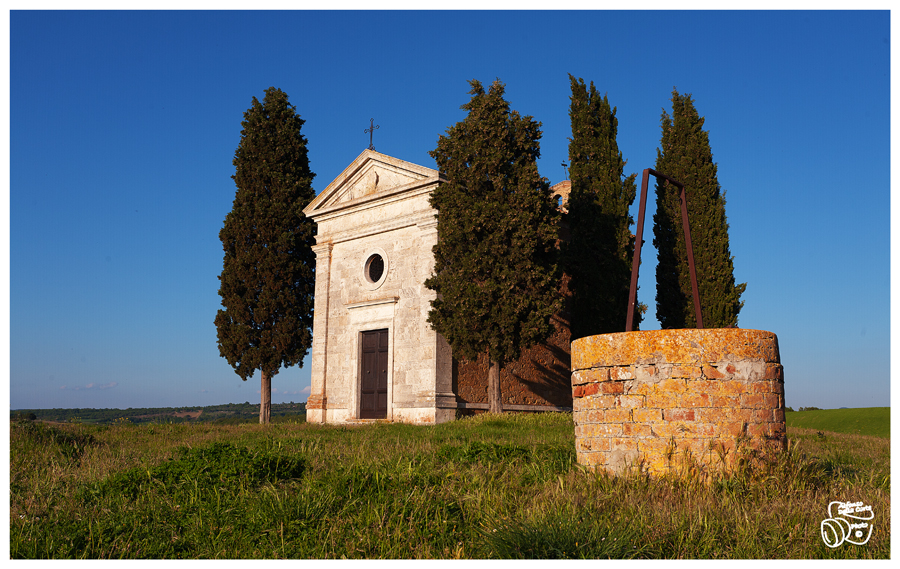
(372, 173)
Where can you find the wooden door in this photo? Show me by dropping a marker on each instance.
(373, 383)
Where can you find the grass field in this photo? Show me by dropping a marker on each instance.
(485, 487)
(870, 421)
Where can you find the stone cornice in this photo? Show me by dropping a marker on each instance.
(372, 302)
(322, 248)
(421, 219)
(429, 224)
(379, 199)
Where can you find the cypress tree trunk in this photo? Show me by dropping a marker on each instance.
(265, 398)
(494, 405)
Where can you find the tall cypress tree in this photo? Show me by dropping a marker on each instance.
(687, 157)
(601, 247)
(496, 271)
(268, 277)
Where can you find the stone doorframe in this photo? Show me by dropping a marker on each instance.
(366, 316)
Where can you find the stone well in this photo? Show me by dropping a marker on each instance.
(650, 399)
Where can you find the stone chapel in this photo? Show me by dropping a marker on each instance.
(374, 355)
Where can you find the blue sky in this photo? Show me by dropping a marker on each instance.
(123, 126)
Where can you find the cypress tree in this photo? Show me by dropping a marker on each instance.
(687, 157)
(268, 278)
(496, 273)
(601, 247)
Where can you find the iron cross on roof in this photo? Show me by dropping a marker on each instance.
(371, 130)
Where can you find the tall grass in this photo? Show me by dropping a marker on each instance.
(870, 421)
(484, 487)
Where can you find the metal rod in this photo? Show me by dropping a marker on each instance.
(663, 176)
(636, 262)
(639, 240)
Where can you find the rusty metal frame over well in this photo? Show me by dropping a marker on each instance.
(639, 240)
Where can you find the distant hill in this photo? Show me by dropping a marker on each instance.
(871, 421)
(227, 413)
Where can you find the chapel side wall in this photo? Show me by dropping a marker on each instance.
(541, 376)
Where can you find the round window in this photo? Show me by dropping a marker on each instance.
(374, 268)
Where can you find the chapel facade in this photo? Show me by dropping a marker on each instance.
(374, 355)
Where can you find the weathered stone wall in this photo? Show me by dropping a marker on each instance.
(651, 399)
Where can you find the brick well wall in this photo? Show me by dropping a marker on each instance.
(650, 399)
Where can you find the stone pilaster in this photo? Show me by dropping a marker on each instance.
(317, 403)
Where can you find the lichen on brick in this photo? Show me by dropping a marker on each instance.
(696, 393)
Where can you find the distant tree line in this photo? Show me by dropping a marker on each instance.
(228, 412)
